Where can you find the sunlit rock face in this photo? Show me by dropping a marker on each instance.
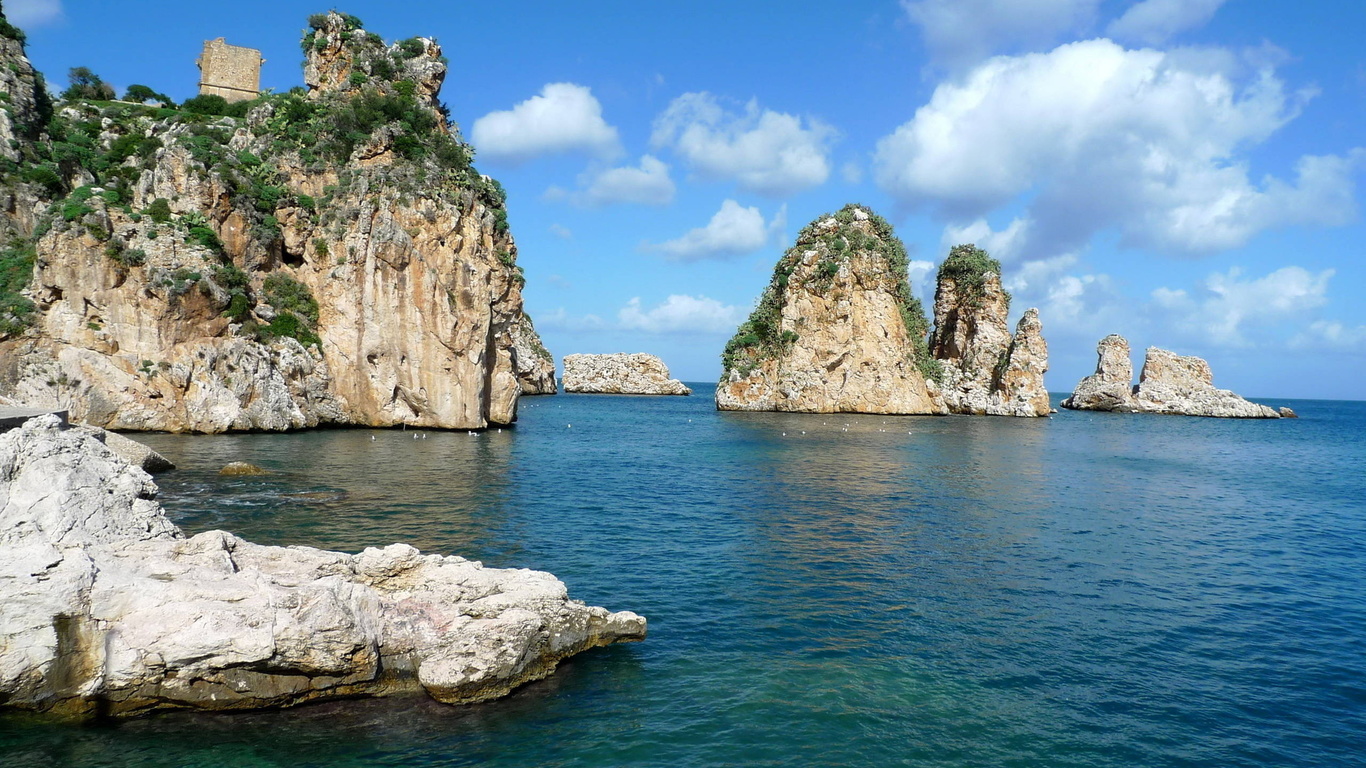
(620, 374)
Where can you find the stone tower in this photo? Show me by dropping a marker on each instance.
(229, 71)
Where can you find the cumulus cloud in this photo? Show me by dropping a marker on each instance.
(28, 14)
(771, 153)
(1155, 21)
(734, 230)
(645, 184)
(1228, 305)
(1003, 245)
(1098, 137)
(681, 314)
(560, 320)
(960, 33)
(1331, 334)
(564, 118)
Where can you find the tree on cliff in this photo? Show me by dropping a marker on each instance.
(87, 85)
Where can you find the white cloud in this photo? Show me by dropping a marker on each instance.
(921, 275)
(1227, 306)
(733, 231)
(1097, 137)
(1331, 334)
(1155, 21)
(560, 320)
(646, 184)
(1003, 246)
(561, 231)
(771, 153)
(681, 313)
(27, 14)
(960, 33)
(564, 118)
(852, 172)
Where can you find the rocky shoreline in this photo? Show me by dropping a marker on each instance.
(620, 374)
(108, 609)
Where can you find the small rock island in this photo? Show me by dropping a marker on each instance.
(838, 330)
(108, 609)
(1168, 384)
(620, 374)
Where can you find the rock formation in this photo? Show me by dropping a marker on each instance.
(107, 608)
(836, 330)
(1110, 388)
(533, 363)
(330, 257)
(1168, 384)
(839, 330)
(620, 374)
(985, 371)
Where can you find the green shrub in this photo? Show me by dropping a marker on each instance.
(285, 293)
(86, 85)
(205, 237)
(231, 278)
(967, 265)
(159, 210)
(16, 271)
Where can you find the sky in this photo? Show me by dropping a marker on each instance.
(1182, 172)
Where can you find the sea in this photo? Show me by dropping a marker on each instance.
(1088, 589)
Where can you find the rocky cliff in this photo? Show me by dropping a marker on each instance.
(620, 374)
(1168, 384)
(107, 609)
(984, 369)
(533, 363)
(328, 256)
(836, 330)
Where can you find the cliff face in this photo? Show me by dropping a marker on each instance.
(107, 609)
(985, 370)
(620, 374)
(331, 257)
(1168, 384)
(532, 362)
(837, 329)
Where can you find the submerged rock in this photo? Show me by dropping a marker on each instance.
(836, 330)
(1168, 384)
(107, 608)
(985, 370)
(1286, 413)
(236, 468)
(620, 374)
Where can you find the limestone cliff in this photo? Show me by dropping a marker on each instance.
(326, 256)
(620, 374)
(532, 362)
(1168, 384)
(107, 609)
(985, 370)
(836, 330)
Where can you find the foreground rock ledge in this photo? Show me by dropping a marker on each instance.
(620, 374)
(106, 608)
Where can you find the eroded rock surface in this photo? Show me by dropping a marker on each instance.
(985, 370)
(283, 270)
(620, 374)
(836, 330)
(531, 361)
(1168, 384)
(105, 606)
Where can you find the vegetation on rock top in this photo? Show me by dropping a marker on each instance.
(967, 265)
(761, 337)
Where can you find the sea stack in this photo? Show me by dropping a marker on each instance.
(328, 256)
(108, 609)
(985, 370)
(836, 330)
(1168, 384)
(620, 374)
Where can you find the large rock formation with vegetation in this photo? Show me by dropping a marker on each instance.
(1169, 384)
(108, 609)
(838, 329)
(985, 370)
(327, 255)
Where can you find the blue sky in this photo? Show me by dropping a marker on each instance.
(1183, 172)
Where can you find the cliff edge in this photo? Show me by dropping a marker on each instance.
(323, 256)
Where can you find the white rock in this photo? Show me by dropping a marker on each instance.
(620, 374)
(104, 604)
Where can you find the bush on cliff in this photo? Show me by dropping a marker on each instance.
(967, 265)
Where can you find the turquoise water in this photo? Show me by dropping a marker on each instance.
(1086, 590)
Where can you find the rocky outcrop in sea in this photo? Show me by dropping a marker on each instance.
(1168, 384)
(838, 329)
(984, 369)
(620, 374)
(329, 257)
(107, 608)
